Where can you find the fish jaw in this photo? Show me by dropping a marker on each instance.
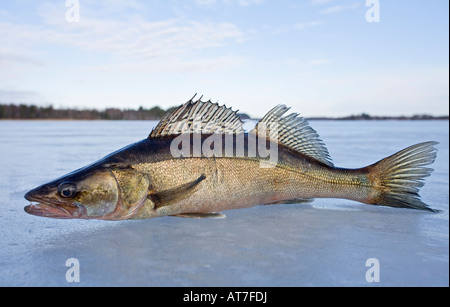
(71, 211)
(47, 208)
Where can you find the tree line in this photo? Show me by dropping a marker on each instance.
(23, 111)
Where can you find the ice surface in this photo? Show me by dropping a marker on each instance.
(324, 243)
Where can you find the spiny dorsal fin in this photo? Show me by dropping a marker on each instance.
(293, 131)
(199, 117)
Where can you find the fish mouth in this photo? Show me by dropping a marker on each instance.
(55, 210)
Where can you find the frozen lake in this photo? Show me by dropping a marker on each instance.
(324, 243)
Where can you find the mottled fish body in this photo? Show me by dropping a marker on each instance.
(198, 161)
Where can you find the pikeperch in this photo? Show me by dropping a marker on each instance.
(198, 161)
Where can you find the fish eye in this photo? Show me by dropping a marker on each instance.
(67, 190)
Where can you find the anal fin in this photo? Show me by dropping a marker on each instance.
(212, 215)
(292, 201)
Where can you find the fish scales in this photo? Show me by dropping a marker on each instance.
(236, 182)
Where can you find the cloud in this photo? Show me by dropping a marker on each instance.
(299, 26)
(211, 3)
(308, 24)
(131, 40)
(316, 62)
(14, 96)
(115, 5)
(206, 2)
(249, 2)
(317, 2)
(12, 57)
(178, 65)
(156, 40)
(340, 8)
(389, 92)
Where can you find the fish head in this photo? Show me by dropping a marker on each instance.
(107, 193)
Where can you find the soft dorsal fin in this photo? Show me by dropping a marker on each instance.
(293, 131)
(199, 117)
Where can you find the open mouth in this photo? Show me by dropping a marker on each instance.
(48, 210)
(60, 211)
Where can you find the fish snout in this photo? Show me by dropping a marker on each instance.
(31, 195)
(47, 207)
(37, 194)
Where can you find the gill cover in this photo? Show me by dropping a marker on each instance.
(133, 188)
(97, 193)
(112, 193)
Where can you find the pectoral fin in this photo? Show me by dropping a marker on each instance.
(212, 215)
(170, 196)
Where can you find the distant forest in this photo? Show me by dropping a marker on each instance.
(365, 116)
(23, 111)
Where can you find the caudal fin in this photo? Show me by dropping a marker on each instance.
(398, 178)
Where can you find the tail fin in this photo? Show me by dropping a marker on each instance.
(399, 177)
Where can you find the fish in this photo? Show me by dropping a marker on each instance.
(199, 161)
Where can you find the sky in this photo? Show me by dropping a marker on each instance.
(320, 57)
